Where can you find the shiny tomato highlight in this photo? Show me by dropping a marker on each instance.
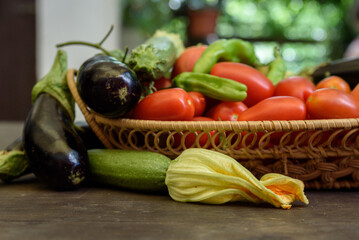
(259, 87)
(295, 86)
(173, 104)
(328, 103)
(226, 111)
(276, 108)
(334, 82)
(199, 102)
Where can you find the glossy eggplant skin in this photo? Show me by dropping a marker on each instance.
(56, 153)
(344, 68)
(108, 86)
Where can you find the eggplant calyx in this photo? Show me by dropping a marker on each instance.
(13, 164)
(55, 84)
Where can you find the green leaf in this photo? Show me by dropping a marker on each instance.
(55, 84)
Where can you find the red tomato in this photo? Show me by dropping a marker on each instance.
(202, 118)
(173, 104)
(226, 111)
(296, 86)
(190, 139)
(258, 85)
(187, 59)
(276, 108)
(334, 82)
(199, 102)
(162, 83)
(327, 103)
(355, 92)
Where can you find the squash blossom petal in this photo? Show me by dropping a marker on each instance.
(206, 176)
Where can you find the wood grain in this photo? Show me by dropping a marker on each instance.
(31, 211)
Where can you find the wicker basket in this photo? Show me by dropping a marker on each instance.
(324, 154)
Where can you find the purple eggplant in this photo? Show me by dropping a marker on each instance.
(56, 153)
(108, 86)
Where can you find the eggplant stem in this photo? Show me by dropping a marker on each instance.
(106, 36)
(95, 45)
(125, 55)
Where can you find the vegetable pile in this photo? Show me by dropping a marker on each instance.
(164, 81)
(227, 74)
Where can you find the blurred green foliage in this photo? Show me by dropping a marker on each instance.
(309, 32)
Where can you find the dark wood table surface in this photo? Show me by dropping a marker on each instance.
(29, 210)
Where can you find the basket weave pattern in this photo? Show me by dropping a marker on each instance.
(322, 153)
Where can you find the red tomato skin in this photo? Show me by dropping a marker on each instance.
(226, 111)
(191, 138)
(186, 61)
(259, 87)
(199, 102)
(162, 83)
(202, 118)
(334, 82)
(355, 92)
(276, 108)
(328, 103)
(295, 86)
(173, 104)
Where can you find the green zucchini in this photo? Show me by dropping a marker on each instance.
(129, 169)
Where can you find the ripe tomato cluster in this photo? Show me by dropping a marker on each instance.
(293, 98)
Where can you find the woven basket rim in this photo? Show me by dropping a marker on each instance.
(274, 125)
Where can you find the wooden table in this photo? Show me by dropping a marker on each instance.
(29, 210)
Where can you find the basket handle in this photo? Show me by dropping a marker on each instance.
(87, 114)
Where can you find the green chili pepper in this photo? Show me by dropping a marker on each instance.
(211, 86)
(277, 68)
(233, 50)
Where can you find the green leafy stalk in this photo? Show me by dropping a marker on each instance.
(154, 58)
(55, 84)
(277, 68)
(117, 53)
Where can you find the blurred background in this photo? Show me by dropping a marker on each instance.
(309, 32)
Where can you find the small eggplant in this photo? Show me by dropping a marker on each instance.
(14, 161)
(344, 68)
(56, 153)
(108, 86)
